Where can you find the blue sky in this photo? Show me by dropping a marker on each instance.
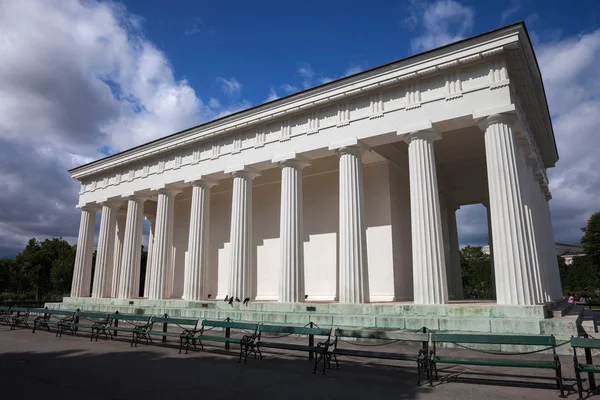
(83, 79)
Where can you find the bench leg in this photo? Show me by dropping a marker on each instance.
(560, 382)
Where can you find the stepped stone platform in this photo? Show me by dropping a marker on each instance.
(458, 316)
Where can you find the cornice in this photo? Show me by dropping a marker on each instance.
(402, 72)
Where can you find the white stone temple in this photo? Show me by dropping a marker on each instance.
(346, 192)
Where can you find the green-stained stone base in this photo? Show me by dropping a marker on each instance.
(455, 317)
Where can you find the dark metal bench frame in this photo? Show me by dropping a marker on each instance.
(587, 344)
(112, 327)
(463, 338)
(103, 319)
(310, 330)
(421, 358)
(246, 342)
(147, 332)
(45, 320)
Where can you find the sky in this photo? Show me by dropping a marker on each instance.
(80, 80)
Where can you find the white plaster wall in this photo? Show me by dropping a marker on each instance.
(265, 235)
(379, 232)
(321, 198)
(401, 234)
(180, 244)
(220, 224)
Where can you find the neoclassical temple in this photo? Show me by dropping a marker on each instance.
(346, 192)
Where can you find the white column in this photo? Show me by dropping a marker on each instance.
(353, 267)
(162, 252)
(511, 246)
(129, 282)
(491, 245)
(446, 246)
(196, 269)
(105, 254)
(118, 258)
(291, 274)
(240, 257)
(149, 271)
(429, 267)
(455, 268)
(82, 273)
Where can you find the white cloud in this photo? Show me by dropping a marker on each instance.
(229, 86)
(214, 103)
(439, 23)
(272, 95)
(512, 9)
(573, 91)
(306, 74)
(286, 87)
(75, 77)
(353, 69)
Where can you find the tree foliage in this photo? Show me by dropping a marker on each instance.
(591, 238)
(476, 273)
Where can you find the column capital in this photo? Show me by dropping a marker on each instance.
(169, 191)
(204, 182)
(242, 171)
(291, 160)
(431, 135)
(508, 118)
(134, 197)
(113, 203)
(349, 146)
(90, 207)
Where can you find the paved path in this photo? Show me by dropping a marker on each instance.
(40, 366)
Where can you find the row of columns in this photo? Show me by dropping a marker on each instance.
(525, 270)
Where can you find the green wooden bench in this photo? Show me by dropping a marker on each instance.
(128, 323)
(545, 341)
(587, 344)
(268, 334)
(18, 316)
(226, 325)
(94, 321)
(4, 313)
(420, 356)
(187, 327)
(53, 318)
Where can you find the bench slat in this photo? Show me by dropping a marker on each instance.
(160, 333)
(385, 335)
(586, 343)
(93, 315)
(175, 321)
(217, 339)
(131, 317)
(532, 340)
(297, 330)
(373, 354)
(498, 362)
(286, 346)
(232, 325)
(589, 368)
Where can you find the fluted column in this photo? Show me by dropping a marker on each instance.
(129, 282)
(149, 271)
(118, 252)
(162, 253)
(105, 254)
(353, 267)
(240, 257)
(196, 269)
(549, 245)
(82, 272)
(512, 250)
(490, 245)
(455, 279)
(429, 266)
(291, 273)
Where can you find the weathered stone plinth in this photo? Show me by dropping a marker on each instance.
(456, 317)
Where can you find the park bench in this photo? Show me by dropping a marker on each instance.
(53, 318)
(187, 327)
(17, 316)
(587, 344)
(227, 325)
(128, 323)
(359, 336)
(547, 342)
(94, 321)
(273, 332)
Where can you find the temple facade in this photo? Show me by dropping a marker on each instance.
(346, 192)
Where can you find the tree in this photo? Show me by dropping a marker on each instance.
(476, 273)
(591, 239)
